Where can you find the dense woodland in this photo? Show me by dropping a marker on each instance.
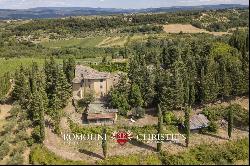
(185, 72)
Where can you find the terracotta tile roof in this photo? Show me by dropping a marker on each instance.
(198, 121)
(101, 116)
(98, 108)
(89, 73)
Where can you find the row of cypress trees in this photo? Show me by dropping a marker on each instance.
(43, 92)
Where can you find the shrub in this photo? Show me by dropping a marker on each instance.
(169, 118)
(36, 134)
(15, 110)
(212, 127)
(213, 113)
(123, 111)
(8, 127)
(86, 130)
(210, 154)
(24, 124)
(30, 141)
(41, 155)
(21, 136)
(4, 149)
(85, 101)
(135, 159)
(16, 159)
(138, 112)
(240, 115)
(20, 147)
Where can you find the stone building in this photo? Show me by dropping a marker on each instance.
(88, 80)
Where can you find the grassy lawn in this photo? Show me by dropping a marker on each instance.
(10, 65)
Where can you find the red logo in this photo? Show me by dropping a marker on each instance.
(122, 137)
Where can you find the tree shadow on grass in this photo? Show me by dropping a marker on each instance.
(141, 144)
(89, 153)
(215, 136)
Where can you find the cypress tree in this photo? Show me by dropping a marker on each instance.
(37, 110)
(210, 83)
(159, 128)
(230, 122)
(62, 88)
(166, 93)
(191, 94)
(169, 55)
(201, 86)
(178, 84)
(69, 68)
(38, 107)
(187, 124)
(148, 92)
(104, 142)
(21, 91)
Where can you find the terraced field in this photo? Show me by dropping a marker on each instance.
(82, 42)
(187, 28)
(90, 42)
(114, 41)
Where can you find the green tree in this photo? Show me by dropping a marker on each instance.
(69, 68)
(230, 122)
(165, 91)
(22, 90)
(104, 142)
(118, 96)
(210, 84)
(88, 98)
(62, 89)
(178, 84)
(148, 92)
(187, 125)
(159, 128)
(135, 97)
(169, 55)
(38, 107)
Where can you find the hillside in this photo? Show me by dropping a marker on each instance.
(57, 12)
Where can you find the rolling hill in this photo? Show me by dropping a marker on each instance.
(57, 12)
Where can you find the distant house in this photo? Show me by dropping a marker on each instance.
(198, 122)
(92, 81)
(98, 114)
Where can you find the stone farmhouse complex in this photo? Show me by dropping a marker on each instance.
(88, 80)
